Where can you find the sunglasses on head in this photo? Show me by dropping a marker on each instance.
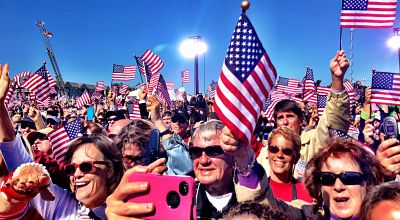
(85, 167)
(347, 178)
(211, 151)
(285, 151)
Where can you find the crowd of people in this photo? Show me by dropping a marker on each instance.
(297, 166)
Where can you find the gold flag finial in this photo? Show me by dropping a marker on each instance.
(245, 5)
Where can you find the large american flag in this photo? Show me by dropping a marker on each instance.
(289, 86)
(153, 61)
(185, 76)
(84, 99)
(385, 88)
(100, 86)
(38, 84)
(368, 13)
(123, 73)
(62, 137)
(246, 78)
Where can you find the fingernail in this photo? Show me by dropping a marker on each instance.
(149, 206)
(144, 185)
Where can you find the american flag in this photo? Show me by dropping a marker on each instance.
(143, 68)
(321, 104)
(310, 96)
(211, 88)
(246, 78)
(52, 83)
(133, 110)
(10, 92)
(271, 102)
(350, 90)
(45, 103)
(62, 137)
(385, 88)
(308, 80)
(153, 61)
(124, 89)
(123, 73)
(96, 96)
(163, 91)
(38, 84)
(84, 99)
(323, 90)
(100, 86)
(114, 89)
(21, 77)
(170, 85)
(152, 86)
(185, 76)
(368, 13)
(289, 86)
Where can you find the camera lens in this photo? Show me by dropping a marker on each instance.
(173, 199)
(183, 188)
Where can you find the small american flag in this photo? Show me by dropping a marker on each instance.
(10, 92)
(163, 91)
(321, 104)
(133, 110)
(310, 96)
(124, 89)
(153, 82)
(211, 88)
(38, 84)
(334, 133)
(100, 86)
(45, 103)
(21, 77)
(323, 90)
(170, 85)
(143, 68)
(350, 90)
(308, 80)
(246, 78)
(84, 99)
(385, 88)
(185, 76)
(153, 61)
(62, 137)
(271, 102)
(96, 96)
(368, 13)
(289, 86)
(123, 73)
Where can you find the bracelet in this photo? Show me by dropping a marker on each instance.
(245, 171)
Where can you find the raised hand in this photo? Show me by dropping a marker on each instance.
(235, 147)
(388, 155)
(338, 66)
(4, 82)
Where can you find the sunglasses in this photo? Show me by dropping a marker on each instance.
(347, 178)
(135, 159)
(285, 151)
(211, 151)
(85, 167)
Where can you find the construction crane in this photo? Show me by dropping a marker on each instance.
(46, 35)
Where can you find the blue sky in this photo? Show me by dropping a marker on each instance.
(91, 35)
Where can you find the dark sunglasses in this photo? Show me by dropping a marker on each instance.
(285, 151)
(211, 151)
(135, 159)
(347, 178)
(85, 167)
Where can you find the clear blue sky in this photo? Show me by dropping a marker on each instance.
(91, 35)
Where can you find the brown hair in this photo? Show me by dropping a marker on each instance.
(95, 128)
(339, 148)
(109, 150)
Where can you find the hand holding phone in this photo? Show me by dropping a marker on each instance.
(173, 196)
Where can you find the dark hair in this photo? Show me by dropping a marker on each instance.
(95, 128)
(110, 152)
(389, 191)
(339, 148)
(166, 113)
(255, 209)
(137, 132)
(288, 106)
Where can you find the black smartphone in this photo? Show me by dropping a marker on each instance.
(154, 146)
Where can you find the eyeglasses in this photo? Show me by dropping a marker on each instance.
(211, 151)
(85, 167)
(347, 178)
(285, 151)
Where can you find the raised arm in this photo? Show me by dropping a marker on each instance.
(7, 131)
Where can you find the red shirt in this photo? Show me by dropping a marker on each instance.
(283, 191)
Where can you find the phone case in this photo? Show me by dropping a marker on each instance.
(172, 196)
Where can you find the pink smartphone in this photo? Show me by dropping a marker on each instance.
(173, 196)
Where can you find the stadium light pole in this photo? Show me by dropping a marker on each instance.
(394, 43)
(193, 47)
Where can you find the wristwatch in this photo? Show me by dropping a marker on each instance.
(168, 131)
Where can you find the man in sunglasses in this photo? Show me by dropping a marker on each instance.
(180, 123)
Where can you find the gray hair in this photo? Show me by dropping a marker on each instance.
(208, 130)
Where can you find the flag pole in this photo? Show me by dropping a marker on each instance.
(370, 106)
(340, 39)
